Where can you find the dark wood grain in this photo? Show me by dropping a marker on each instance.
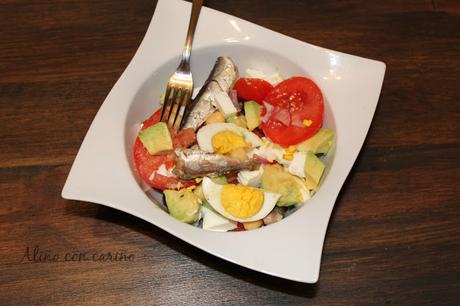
(394, 237)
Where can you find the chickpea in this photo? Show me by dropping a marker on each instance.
(252, 225)
(215, 118)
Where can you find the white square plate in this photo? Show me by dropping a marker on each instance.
(103, 169)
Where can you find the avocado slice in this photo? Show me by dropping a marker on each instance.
(320, 143)
(238, 120)
(221, 179)
(183, 205)
(276, 180)
(156, 138)
(314, 169)
(252, 112)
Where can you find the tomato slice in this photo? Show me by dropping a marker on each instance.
(146, 163)
(252, 89)
(184, 138)
(291, 102)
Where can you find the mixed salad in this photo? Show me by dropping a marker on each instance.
(248, 153)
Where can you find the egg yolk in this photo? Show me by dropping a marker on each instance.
(240, 201)
(226, 141)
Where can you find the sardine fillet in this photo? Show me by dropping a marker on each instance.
(193, 163)
(203, 105)
(224, 73)
(221, 79)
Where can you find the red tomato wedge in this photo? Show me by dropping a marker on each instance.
(289, 104)
(252, 89)
(146, 163)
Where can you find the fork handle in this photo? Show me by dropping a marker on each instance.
(196, 8)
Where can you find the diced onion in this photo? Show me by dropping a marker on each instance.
(268, 112)
(261, 160)
(234, 97)
(283, 116)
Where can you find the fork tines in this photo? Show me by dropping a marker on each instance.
(174, 104)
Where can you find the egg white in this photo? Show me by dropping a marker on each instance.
(251, 178)
(205, 134)
(212, 193)
(271, 152)
(273, 78)
(215, 222)
(297, 164)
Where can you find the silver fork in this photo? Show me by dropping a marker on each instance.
(180, 86)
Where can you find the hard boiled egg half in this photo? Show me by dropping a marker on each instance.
(225, 137)
(237, 202)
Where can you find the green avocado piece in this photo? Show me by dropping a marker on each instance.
(276, 180)
(314, 169)
(252, 112)
(319, 143)
(238, 120)
(183, 205)
(156, 138)
(221, 180)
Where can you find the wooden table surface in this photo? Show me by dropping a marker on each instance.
(394, 235)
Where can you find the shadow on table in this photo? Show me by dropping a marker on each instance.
(270, 282)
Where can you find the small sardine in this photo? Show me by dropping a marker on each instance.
(225, 73)
(221, 79)
(193, 163)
